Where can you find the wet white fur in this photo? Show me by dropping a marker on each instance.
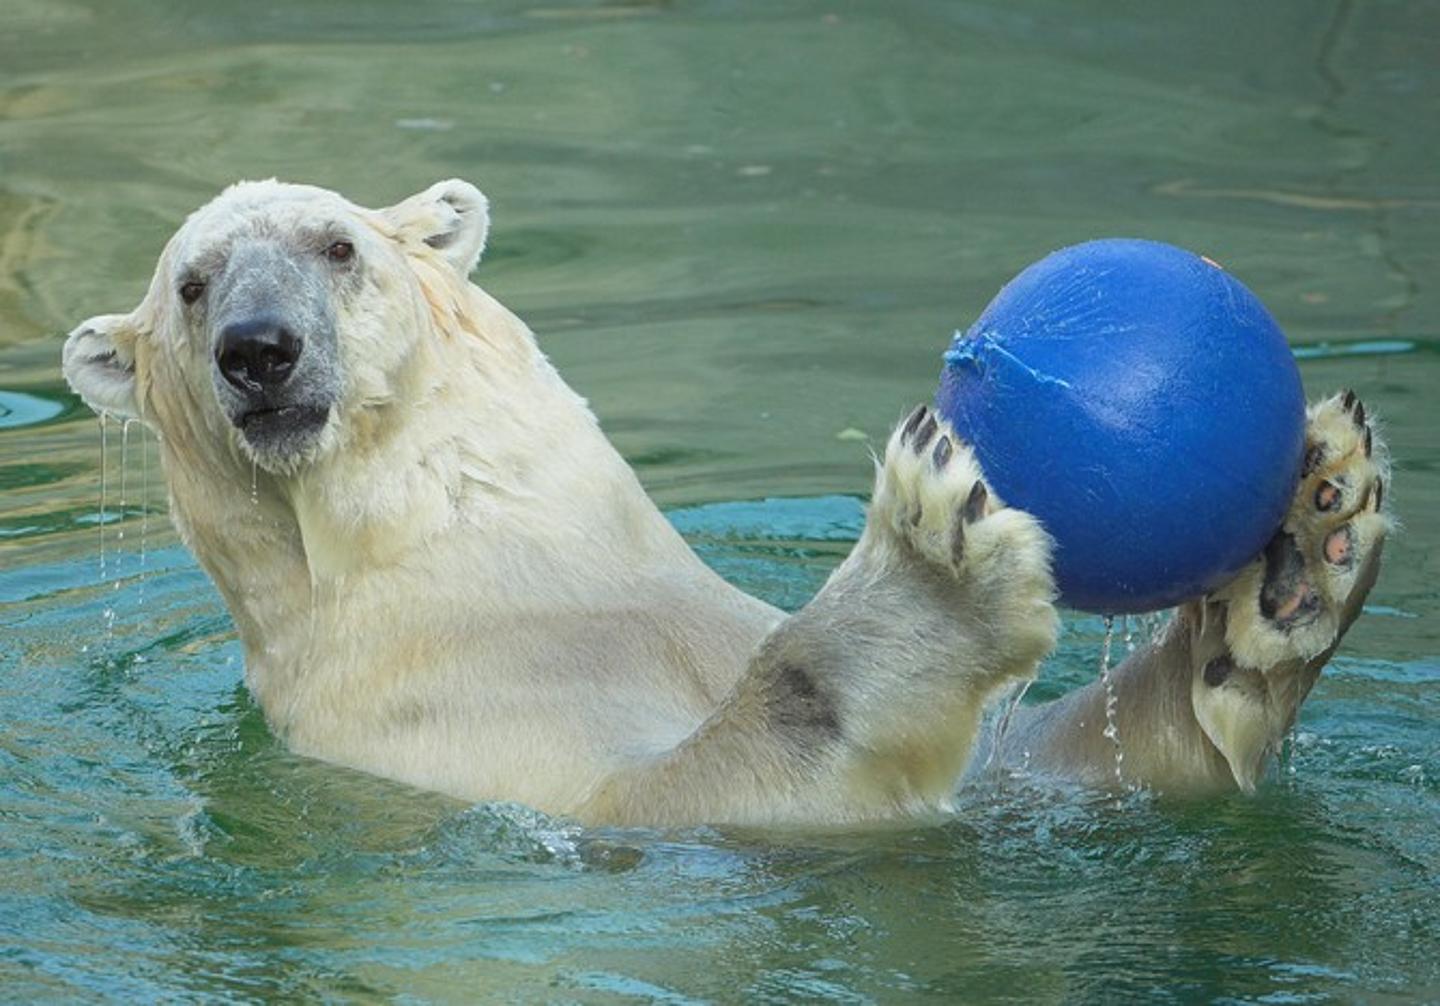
(463, 586)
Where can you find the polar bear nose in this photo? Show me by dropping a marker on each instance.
(257, 353)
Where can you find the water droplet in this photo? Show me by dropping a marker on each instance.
(124, 486)
(144, 509)
(1112, 731)
(108, 614)
(104, 450)
(1286, 759)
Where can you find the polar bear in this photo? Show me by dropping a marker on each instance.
(443, 573)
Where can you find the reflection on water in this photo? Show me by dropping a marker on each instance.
(1360, 347)
(745, 232)
(18, 410)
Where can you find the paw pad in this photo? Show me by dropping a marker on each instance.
(1339, 546)
(1327, 497)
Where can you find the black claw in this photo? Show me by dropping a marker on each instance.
(1314, 454)
(1379, 496)
(1359, 413)
(941, 455)
(1348, 402)
(1217, 670)
(923, 435)
(913, 422)
(1369, 442)
(957, 543)
(974, 507)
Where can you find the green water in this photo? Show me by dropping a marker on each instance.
(742, 230)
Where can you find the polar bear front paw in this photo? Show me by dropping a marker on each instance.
(930, 491)
(932, 501)
(1297, 598)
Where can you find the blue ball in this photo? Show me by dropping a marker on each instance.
(1144, 405)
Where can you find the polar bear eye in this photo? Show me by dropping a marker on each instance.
(190, 292)
(340, 251)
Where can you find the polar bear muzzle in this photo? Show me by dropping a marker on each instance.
(257, 357)
(272, 333)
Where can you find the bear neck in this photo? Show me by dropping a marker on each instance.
(486, 488)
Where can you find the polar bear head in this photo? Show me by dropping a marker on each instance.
(277, 312)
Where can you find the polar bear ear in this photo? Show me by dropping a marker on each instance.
(99, 364)
(452, 217)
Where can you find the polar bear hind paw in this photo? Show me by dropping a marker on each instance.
(1299, 596)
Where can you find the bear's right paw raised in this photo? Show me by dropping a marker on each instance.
(932, 498)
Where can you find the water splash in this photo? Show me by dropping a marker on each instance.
(1004, 725)
(1112, 731)
(254, 482)
(1151, 627)
(1285, 759)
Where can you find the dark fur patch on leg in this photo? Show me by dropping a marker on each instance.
(1218, 670)
(800, 708)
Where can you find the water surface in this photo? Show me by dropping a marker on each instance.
(745, 232)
